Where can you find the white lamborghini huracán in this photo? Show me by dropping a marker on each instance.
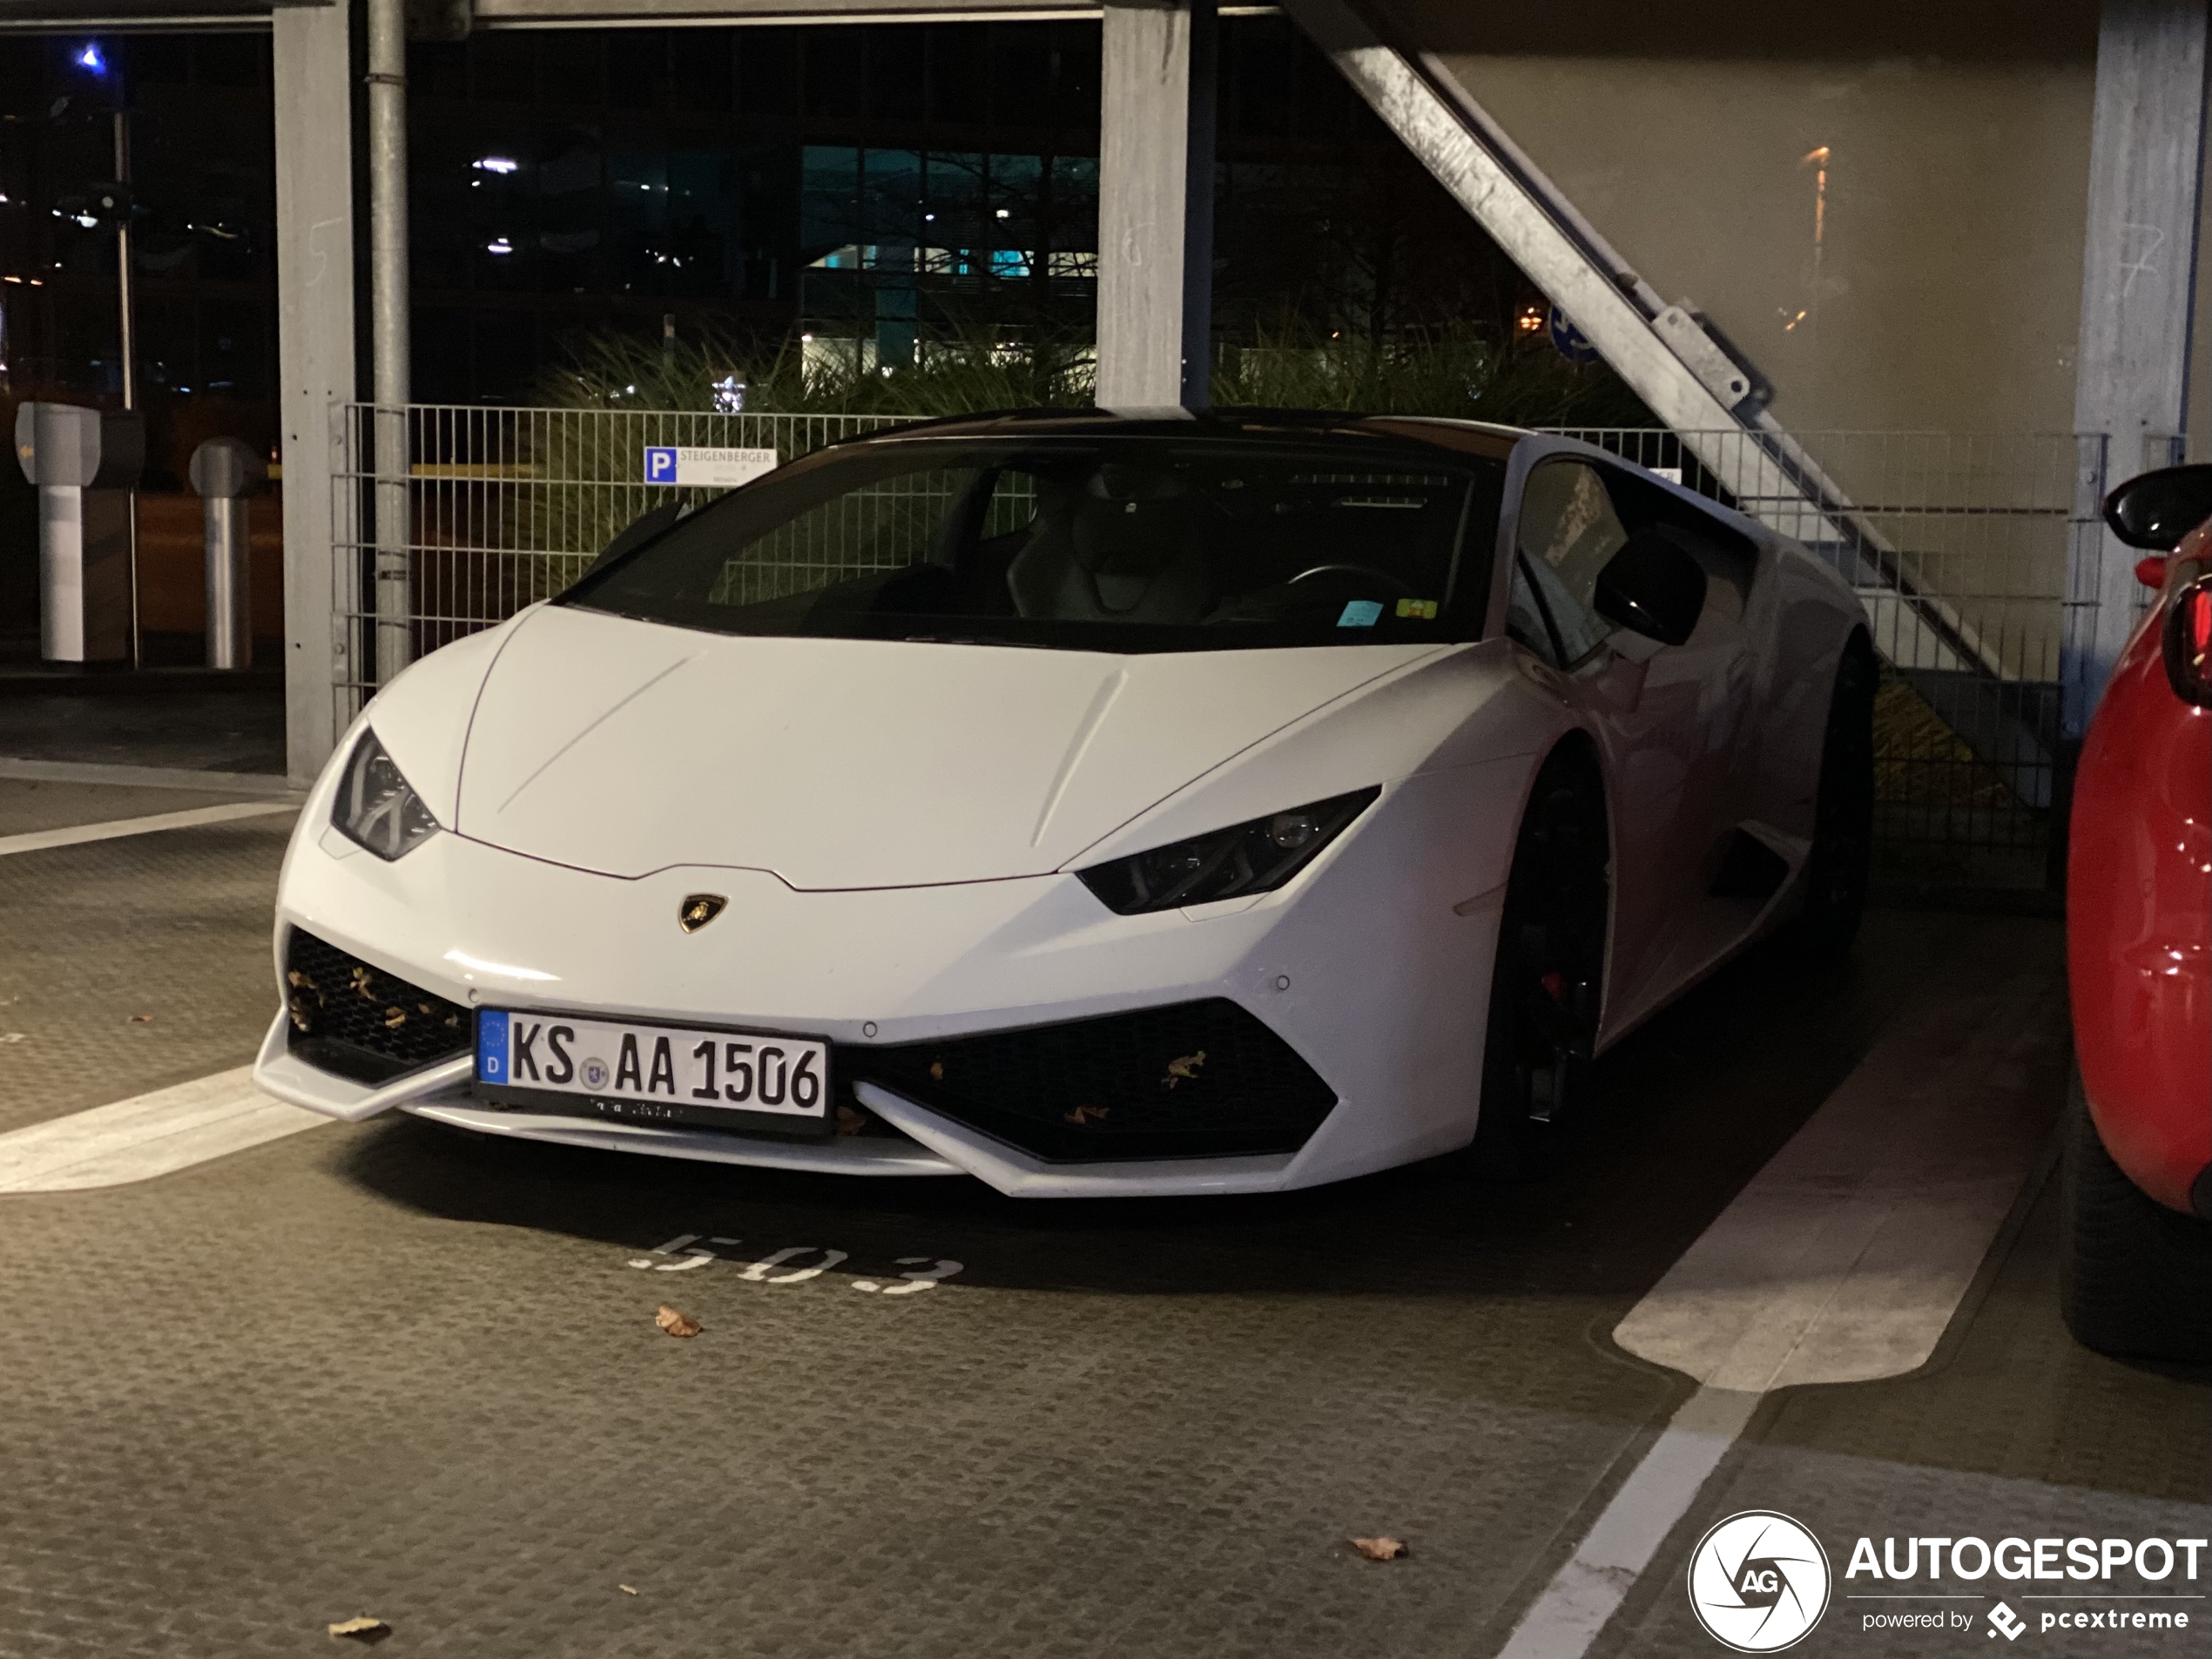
(1086, 805)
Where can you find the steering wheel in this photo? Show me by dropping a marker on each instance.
(1405, 589)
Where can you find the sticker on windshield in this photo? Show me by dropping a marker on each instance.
(1363, 613)
(1425, 609)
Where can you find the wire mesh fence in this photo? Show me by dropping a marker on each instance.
(451, 518)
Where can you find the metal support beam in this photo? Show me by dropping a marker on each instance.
(1685, 373)
(2138, 278)
(314, 193)
(388, 343)
(1450, 135)
(1155, 150)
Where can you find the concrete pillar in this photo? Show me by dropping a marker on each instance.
(314, 191)
(1156, 149)
(2139, 272)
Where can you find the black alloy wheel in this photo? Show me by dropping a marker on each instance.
(1548, 981)
(1842, 859)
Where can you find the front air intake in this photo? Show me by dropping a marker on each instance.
(362, 1022)
(1190, 1080)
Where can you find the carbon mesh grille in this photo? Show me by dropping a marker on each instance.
(1195, 1079)
(362, 1023)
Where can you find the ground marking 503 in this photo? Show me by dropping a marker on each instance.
(687, 1251)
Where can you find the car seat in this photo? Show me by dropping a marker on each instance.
(1120, 545)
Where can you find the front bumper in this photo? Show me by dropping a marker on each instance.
(932, 1145)
(1364, 971)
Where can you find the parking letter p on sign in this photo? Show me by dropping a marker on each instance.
(706, 469)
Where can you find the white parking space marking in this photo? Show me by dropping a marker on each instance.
(1582, 1595)
(38, 840)
(151, 1135)
(1846, 1257)
(1843, 1261)
(75, 772)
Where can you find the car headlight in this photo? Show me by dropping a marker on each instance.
(376, 807)
(1232, 863)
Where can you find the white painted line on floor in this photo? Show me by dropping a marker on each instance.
(74, 834)
(264, 784)
(1620, 1545)
(1846, 1257)
(1843, 1261)
(151, 1135)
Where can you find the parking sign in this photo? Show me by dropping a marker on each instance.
(697, 468)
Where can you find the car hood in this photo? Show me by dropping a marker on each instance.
(627, 747)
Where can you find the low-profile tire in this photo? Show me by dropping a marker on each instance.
(2135, 1278)
(1842, 859)
(1549, 975)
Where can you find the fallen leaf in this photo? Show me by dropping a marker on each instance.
(1083, 1115)
(1382, 1550)
(936, 1071)
(142, 1019)
(363, 1629)
(627, 1589)
(1183, 1068)
(850, 1121)
(676, 1325)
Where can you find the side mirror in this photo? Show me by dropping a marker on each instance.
(2156, 509)
(2188, 643)
(1653, 587)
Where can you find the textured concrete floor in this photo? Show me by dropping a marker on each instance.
(129, 965)
(188, 721)
(392, 1369)
(26, 805)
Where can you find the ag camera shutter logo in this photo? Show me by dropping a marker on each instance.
(1758, 1581)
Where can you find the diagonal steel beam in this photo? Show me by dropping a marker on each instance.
(1686, 376)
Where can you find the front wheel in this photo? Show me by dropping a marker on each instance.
(1548, 977)
(2135, 1278)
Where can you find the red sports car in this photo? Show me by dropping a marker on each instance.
(2136, 1269)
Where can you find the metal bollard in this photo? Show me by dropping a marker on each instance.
(84, 462)
(222, 471)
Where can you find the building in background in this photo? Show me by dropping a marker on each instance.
(867, 194)
(880, 188)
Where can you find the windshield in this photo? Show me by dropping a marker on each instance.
(1121, 542)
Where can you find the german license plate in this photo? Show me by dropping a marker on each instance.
(652, 1071)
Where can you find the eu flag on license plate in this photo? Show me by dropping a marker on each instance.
(491, 1046)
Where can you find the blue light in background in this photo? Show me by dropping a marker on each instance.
(91, 58)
